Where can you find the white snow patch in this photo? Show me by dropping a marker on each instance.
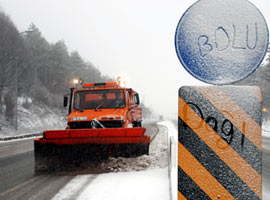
(143, 185)
(24, 99)
(266, 128)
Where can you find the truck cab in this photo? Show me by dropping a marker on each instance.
(103, 105)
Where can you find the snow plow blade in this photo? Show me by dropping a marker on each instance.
(60, 148)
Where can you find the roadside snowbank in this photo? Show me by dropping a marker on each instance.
(35, 119)
(143, 185)
(266, 128)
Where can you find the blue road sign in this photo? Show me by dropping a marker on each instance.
(221, 41)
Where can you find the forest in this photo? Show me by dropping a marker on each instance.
(34, 68)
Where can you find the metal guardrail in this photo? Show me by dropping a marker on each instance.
(40, 134)
(20, 136)
(172, 167)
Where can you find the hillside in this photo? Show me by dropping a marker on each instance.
(34, 118)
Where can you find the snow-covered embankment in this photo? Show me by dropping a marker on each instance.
(34, 119)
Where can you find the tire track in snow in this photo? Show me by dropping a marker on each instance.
(75, 187)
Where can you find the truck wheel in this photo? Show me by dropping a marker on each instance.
(146, 149)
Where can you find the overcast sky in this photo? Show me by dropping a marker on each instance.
(135, 38)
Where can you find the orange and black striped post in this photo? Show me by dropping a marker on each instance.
(219, 143)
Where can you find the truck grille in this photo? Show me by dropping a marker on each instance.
(87, 125)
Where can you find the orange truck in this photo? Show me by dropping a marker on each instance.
(104, 120)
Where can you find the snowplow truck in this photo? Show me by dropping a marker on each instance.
(104, 120)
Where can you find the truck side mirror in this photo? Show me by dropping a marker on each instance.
(65, 102)
(137, 99)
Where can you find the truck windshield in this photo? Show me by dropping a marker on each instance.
(95, 99)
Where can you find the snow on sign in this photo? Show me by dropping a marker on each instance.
(221, 41)
(219, 143)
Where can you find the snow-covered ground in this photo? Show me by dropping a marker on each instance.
(34, 119)
(266, 128)
(143, 185)
(137, 185)
(142, 178)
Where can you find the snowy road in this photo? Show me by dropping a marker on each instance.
(145, 177)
